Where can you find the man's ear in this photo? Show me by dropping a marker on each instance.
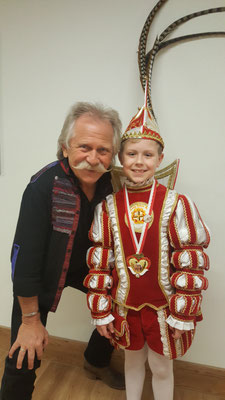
(64, 150)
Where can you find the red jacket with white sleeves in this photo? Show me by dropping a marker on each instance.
(170, 272)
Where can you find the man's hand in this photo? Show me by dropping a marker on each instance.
(32, 338)
(106, 330)
(176, 333)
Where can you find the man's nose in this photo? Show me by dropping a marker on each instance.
(92, 158)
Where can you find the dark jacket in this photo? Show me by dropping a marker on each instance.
(46, 231)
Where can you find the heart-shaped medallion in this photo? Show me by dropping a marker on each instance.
(138, 264)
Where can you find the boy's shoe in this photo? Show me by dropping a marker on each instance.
(108, 375)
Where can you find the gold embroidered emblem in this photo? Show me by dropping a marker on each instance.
(138, 264)
(139, 216)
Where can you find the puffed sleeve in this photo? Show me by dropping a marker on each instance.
(188, 238)
(100, 260)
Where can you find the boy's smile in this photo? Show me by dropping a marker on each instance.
(140, 158)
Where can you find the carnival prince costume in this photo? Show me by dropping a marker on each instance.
(147, 261)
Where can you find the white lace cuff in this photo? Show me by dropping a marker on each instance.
(181, 325)
(103, 321)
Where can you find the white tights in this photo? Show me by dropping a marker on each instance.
(162, 374)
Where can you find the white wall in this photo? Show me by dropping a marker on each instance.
(56, 52)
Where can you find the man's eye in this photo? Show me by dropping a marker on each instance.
(84, 146)
(103, 151)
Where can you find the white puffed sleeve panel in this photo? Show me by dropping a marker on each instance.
(96, 233)
(182, 222)
(189, 235)
(100, 260)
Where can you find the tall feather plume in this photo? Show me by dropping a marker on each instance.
(146, 61)
(143, 42)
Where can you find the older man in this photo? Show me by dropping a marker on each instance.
(51, 240)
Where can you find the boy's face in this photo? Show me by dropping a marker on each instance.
(139, 159)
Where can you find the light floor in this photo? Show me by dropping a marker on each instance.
(61, 376)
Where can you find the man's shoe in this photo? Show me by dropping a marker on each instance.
(108, 375)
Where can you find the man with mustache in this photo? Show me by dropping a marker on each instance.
(51, 240)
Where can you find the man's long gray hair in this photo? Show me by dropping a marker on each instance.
(95, 110)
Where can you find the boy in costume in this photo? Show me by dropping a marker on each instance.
(147, 264)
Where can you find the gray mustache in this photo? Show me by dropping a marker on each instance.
(84, 165)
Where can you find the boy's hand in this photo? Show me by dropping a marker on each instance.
(106, 330)
(176, 333)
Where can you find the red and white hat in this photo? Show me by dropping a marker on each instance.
(143, 125)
